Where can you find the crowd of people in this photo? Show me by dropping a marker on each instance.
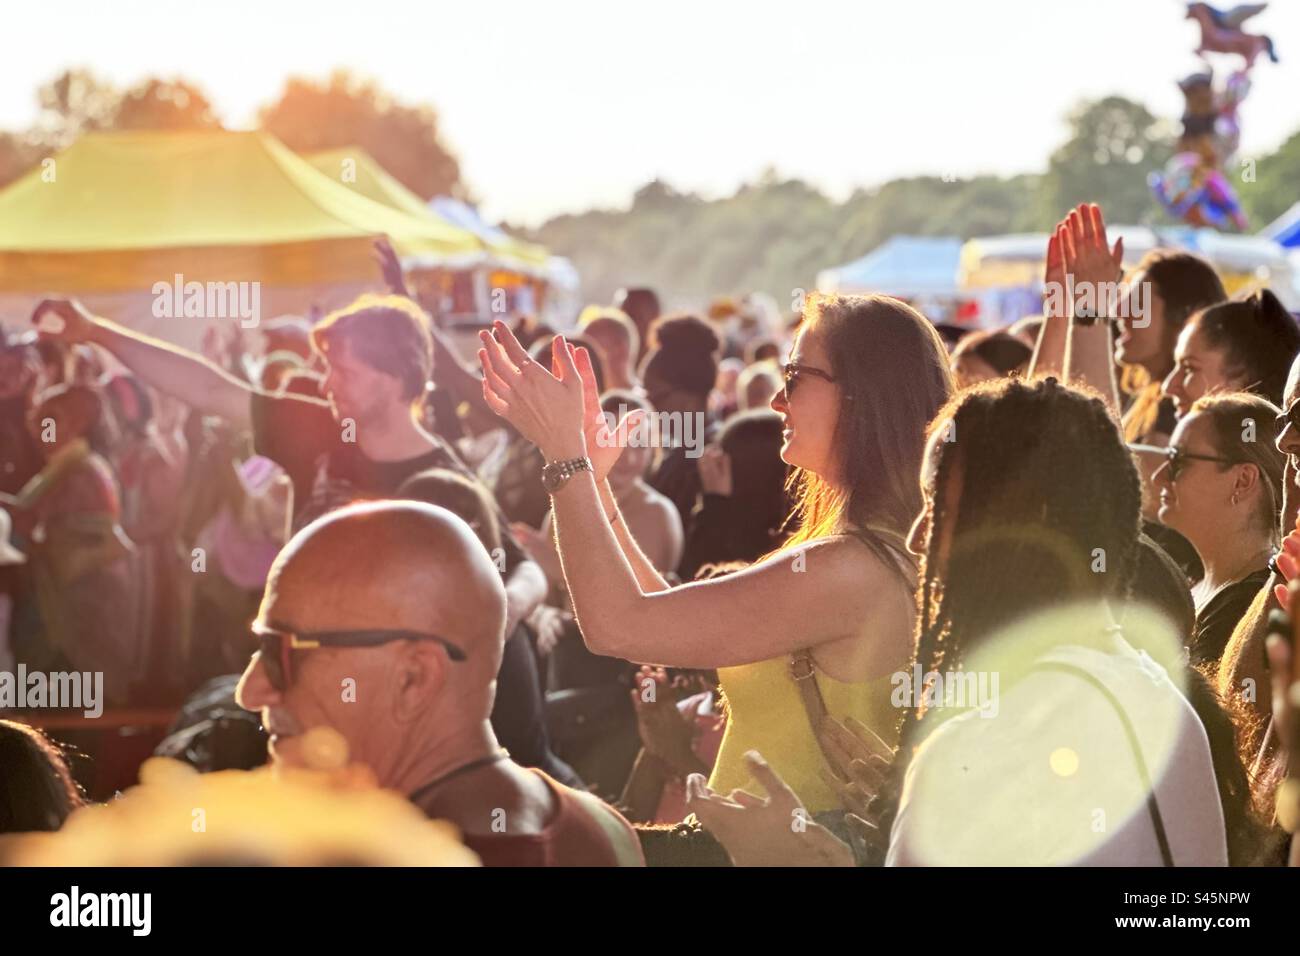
(835, 588)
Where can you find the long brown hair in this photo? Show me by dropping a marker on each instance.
(1185, 283)
(893, 375)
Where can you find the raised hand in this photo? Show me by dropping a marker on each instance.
(774, 830)
(604, 445)
(1055, 305)
(390, 267)
(546, 407)
(64, 320)
(1095, 267)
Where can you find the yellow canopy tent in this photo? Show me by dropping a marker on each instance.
(357, 169)
(116, 213)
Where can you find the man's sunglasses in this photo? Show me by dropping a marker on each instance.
(791, 372)
(277, 645)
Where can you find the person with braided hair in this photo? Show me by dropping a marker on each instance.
(1029, 538)
(1030, 543)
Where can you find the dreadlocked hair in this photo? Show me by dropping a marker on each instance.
(1047, 490)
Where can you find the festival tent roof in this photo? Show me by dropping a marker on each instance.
(906, 266)
(1017, 260)
(362, 173)
(511, 252)
(359, 171)
(117, 212)
(1285, 229)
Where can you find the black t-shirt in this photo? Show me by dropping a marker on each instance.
(300, 435)
(1177, 547)
(1219, 618)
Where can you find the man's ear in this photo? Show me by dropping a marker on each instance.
(419, 677)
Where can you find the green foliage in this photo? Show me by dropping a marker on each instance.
(772, 236)
(1276, 187)
(77, 102)
(1114, 143)
(347, 111)
(775, 235)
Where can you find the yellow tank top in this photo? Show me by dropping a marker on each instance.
(767, 714)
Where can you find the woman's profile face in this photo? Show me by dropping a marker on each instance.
(1195, 492)
(810, 413)
(1198, 369)
(1141, 339)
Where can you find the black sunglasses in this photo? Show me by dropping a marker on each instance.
(277, 645)
(791, 372)
(1178, 460)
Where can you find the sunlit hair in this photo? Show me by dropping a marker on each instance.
(893, 376)
(389, 333)
(462, 496)
(1001, 351)
(607, 317)
(1243, 428)
(1043, 480)
(1185, 283)
(1258, 339)
(37, 791)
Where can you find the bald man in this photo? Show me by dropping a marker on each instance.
(384, 622)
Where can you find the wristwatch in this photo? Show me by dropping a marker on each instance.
(556, 474)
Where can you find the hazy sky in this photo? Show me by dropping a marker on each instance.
(559, 105)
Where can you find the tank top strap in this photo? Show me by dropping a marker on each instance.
(890, 547)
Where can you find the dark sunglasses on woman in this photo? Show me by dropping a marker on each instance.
(791, 371)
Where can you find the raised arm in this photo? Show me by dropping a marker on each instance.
(1053, 337)
(170, 369)
(753, 615)
(1096, 270)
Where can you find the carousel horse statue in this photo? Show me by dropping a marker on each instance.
(1221, 31)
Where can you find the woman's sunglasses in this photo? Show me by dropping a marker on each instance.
(277, 645)
(791, 372)
(1178, 460)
